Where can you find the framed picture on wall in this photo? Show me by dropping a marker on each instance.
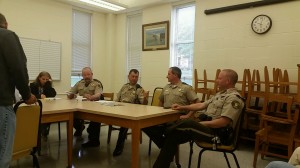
(156, 36)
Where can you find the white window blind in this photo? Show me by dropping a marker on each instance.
(134, 43)
(81, 41)
(182, 51)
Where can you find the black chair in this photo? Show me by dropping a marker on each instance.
(220, 148)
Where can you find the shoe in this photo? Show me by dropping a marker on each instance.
(78, 132)
(90, 144)
(119, 149)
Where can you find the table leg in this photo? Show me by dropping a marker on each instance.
(298, 86)
(135, 147)
(70, 140)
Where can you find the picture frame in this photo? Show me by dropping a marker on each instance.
(156, 36)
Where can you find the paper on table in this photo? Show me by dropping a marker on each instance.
(52, 98)
(80, 98)
(108, 103)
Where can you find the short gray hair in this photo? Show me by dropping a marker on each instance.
(231, 75)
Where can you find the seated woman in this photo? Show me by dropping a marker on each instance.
(293, 162)
(42, 88)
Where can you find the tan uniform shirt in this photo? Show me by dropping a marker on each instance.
(180, 93)
(93, 88)
(130, 94)
(227, 103)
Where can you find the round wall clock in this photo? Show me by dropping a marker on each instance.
(261, 24)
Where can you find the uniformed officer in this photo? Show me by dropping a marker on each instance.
(174, 92)
(91, 89)
(131, 92)
(223, 110)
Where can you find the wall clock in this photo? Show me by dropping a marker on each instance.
(261, 24)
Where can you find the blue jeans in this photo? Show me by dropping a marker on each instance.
(7, 134)
(279, 164)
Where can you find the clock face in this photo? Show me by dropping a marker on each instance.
(261, 24)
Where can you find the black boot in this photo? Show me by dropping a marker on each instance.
(120, 143)
(94, 133)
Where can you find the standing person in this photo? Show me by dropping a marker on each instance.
(222, 110)
(91, 89)
(174, 92)
(42, 88)
(130, 92)
(13, 75)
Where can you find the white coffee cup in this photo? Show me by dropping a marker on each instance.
(79, 98)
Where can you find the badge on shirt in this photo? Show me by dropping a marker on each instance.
(235, 104)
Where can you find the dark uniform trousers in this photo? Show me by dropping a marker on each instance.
(157, 132)
(122, 136)
(78, 124)
(93, 129)
(181, 132)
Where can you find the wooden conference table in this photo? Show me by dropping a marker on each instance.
(132, 116)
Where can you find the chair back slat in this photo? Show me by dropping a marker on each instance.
(108, 96)
(155, 98)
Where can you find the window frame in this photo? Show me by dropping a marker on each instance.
(175, 42)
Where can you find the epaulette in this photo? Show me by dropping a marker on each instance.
(96, 80)
(184, 83)
(138, 86)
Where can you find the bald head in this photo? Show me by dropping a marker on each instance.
(3, 22)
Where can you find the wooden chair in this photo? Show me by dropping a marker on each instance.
(278, 126)
(27, 136)
(253, 105)
(205, 90)
(220, 147)
(255, 99)
(108, 96)
(245, 83)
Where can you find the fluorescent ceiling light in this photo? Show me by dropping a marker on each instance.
(104, 4)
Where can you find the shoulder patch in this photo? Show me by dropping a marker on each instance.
(235, 104)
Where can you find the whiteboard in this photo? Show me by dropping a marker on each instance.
(42, 56)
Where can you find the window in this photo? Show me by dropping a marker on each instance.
(81, 44)
(182, 49)
(134, 42)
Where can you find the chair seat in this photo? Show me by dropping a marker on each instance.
(278, 136)
(17, 155)
(203, 144)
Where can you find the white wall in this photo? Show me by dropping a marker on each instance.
(51, 20)
(155, 64)
(223, 40)
(226, 40)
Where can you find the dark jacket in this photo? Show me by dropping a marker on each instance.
(13, 68)
(47, 90)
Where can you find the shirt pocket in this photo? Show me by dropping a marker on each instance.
(219, 103)
(80, 87)
(179, 93)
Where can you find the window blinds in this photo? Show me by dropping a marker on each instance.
(134, 43)
(81, 41)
